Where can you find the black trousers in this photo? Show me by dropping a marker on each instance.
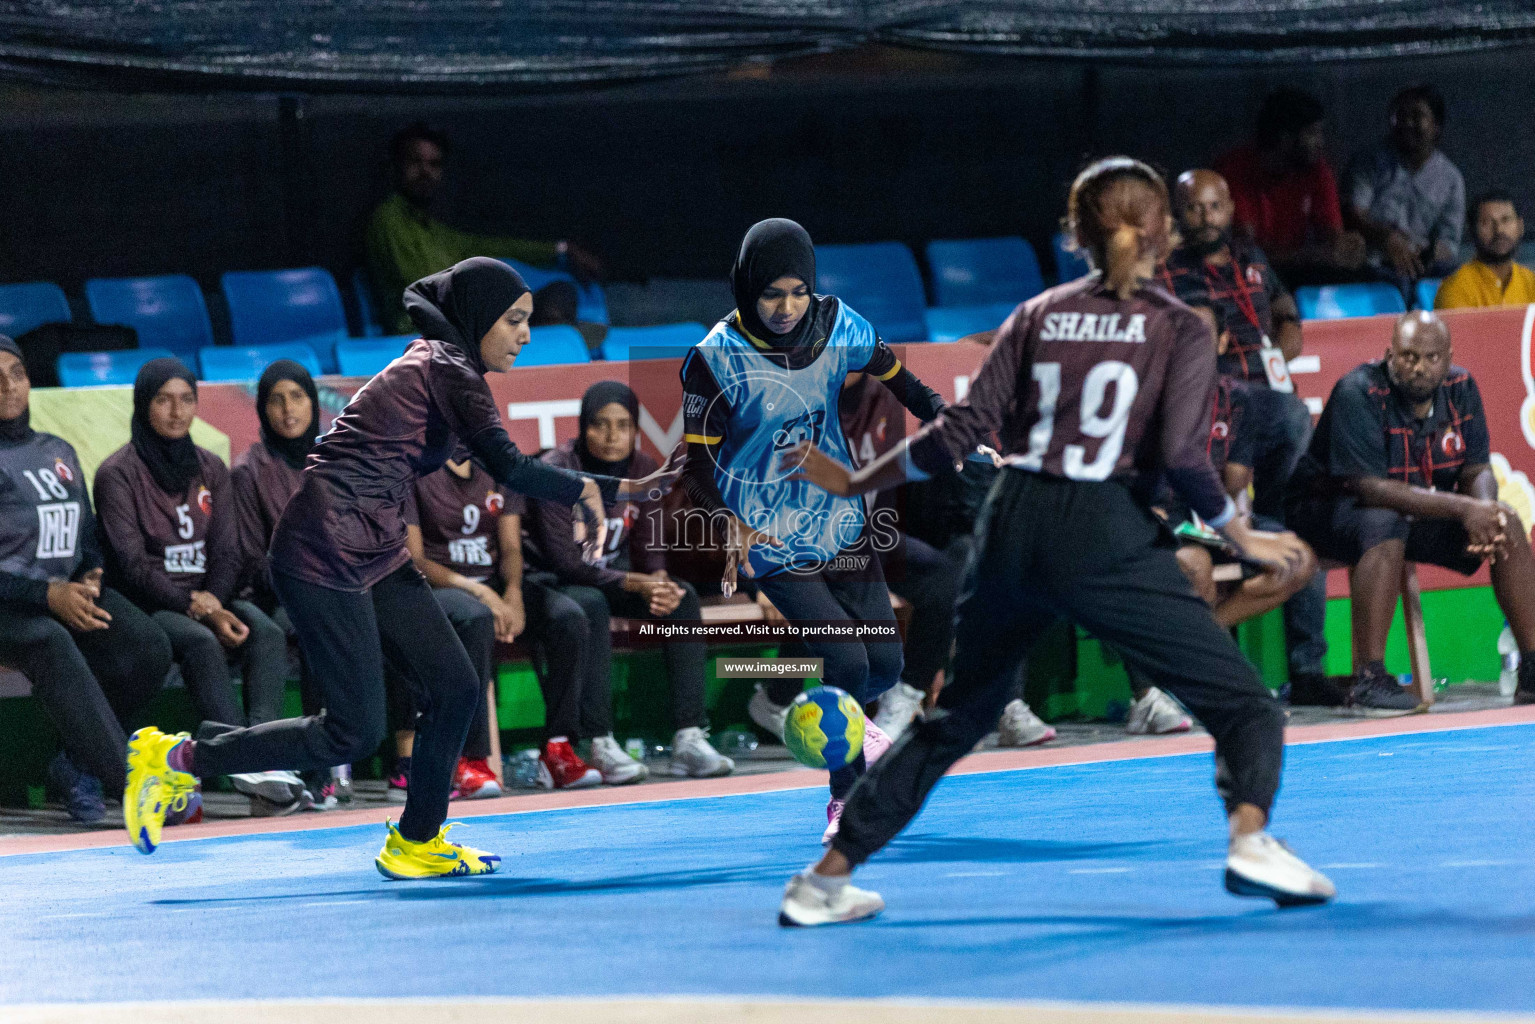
(89, 683)
(864, 668)
(686, 660)
(346, 638)
(1049, 547)
(204, 665)
(929, 580)
(475, 628)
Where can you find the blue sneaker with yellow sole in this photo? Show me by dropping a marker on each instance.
(402, 859)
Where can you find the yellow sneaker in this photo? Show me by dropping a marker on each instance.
(435, 858)
(154, 788)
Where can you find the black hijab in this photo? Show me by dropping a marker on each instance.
(773, 249)
(598, 397)
(173, 464)
(460, 304)
(20, 428)
(294, 450)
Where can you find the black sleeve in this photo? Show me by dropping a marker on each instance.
(1242, 449)
(89, 544)
(922, 401)
(1357, 433)
(705, 416)
(23, 590)
(1478, 442)
(225, 565)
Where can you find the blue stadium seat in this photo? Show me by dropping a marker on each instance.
(363, 357)
(1069, 263)
(25, 306)
(1426, 290)
(556, 344)
(1339, 301)
(661, 342)
(950, 323)
(246, 362)
(591, 304)
(167, 312)
(980, 271)
(267, 306)
(880, 281)
(367, 312)
(85, 369)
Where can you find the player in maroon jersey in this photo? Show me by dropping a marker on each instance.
(1091, 387)
(340, 566)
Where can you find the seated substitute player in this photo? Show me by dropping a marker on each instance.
(93, 659)
(171, 543)
(340, 566)
(264, 480)
(768, 376)
(1398, 472)
(1086, 383)
(465, 535)
(1230, 445)
(629, 579)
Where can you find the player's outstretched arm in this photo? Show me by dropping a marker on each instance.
(807, 462)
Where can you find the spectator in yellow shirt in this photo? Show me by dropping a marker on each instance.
(404, 243)
(1493, 278)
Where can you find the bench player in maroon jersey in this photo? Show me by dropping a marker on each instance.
(1091, 387)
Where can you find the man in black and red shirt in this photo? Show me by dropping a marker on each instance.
(1399, 471)
(1262, 333)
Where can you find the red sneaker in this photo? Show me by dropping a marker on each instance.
(560, 768)
(474, 780)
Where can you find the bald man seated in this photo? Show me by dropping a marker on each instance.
(1398, 471)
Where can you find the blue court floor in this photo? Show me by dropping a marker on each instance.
(1096, 882)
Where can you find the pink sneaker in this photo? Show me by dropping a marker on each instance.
(833, 820)
(875, 742)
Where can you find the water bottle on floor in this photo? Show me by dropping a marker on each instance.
(1508, 651)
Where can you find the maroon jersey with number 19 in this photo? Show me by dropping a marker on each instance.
(1083, 385)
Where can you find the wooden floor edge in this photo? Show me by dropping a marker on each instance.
(773, 782)
(726, 1010)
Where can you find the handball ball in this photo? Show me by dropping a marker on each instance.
(824, 728)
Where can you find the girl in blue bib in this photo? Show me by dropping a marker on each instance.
(766, 379)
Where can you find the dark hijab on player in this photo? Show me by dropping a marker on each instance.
(173, 464)
(598, 397)
(459, 305)
(772, 249)
(292, 450)
(19, 428)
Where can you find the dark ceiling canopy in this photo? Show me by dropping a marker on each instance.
(405, 46)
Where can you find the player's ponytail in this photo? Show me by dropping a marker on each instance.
(1117, 215)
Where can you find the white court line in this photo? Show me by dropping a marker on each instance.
(1098, 871)
(976, 874)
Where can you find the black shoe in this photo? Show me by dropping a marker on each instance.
(1524, 696)
(80, 793)
(1312, 689)
(1377, 695)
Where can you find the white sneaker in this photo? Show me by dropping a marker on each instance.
(1260, 865)
(765, 713)
(693, 756)
(1021, 727)
(806, 905)
(898, 706)
(273, 787)
(875, 743)
(1156, 714)
(613, 763)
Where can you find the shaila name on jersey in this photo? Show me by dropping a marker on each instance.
(1092, 327)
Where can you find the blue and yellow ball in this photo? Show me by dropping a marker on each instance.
(824, 728)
